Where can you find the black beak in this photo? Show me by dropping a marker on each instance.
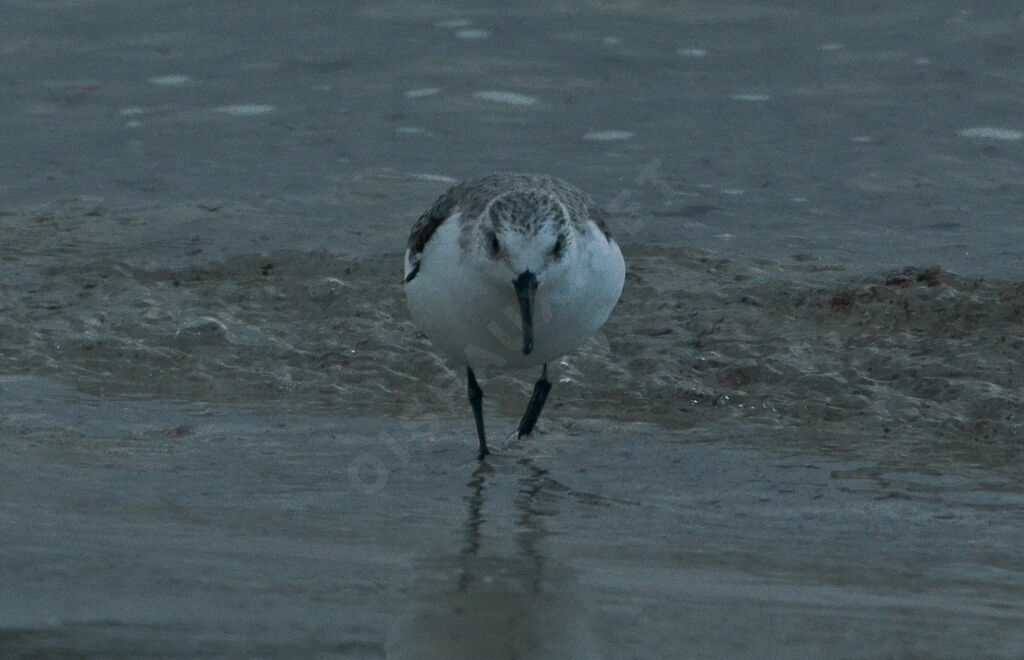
(526, 287)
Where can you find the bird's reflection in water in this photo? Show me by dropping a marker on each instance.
(486, 603)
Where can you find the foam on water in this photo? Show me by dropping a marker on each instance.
(421, 92)
(245, 109)
(755, 98)
(608, 136)
(991, 133)
(171, 79)
(510, 98)
(473, 34)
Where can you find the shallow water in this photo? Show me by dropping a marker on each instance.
(145, 528)
(798, 435)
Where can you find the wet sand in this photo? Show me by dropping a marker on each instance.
(798, 435)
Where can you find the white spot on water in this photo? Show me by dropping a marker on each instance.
(129, 112)
(511, 98)
(454, 23)
(440, 178)
(732, 191)
(606, 136)
(990, 133)
(725, 237)
(418, 93)
(612, 41)
(173, 79)
(692, 52)
(832, 45)
(245, 109)
(133, 124)
(410, 130)
(758, 98)
(922, 61)
(862, 139)
(474, 33)
(798, 200)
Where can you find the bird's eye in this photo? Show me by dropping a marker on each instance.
(492, 244)
(557, 248)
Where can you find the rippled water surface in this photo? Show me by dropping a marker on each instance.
(798, 435)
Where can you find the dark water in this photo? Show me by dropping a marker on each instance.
(798, 435)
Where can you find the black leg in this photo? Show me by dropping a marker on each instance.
(536, 404)
(476, 400)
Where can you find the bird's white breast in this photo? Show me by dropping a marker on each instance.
(475, 319)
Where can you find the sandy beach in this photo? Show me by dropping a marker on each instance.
(798, 435)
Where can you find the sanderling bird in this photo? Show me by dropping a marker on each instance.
(511, 271)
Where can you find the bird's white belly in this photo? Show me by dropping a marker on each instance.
(477, 322)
